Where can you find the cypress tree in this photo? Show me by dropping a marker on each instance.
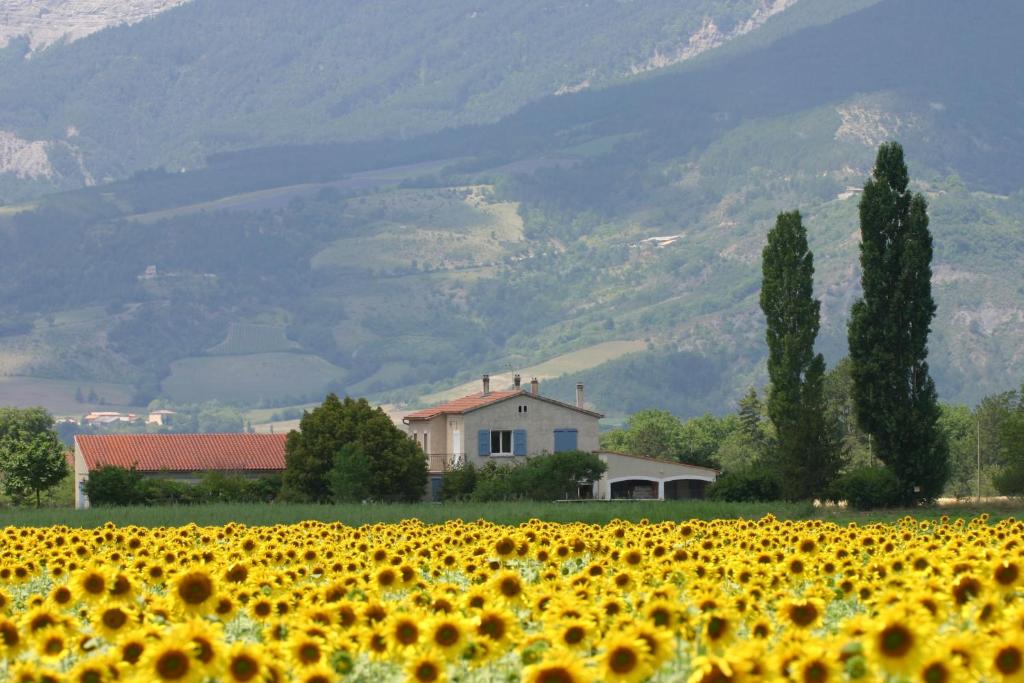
(894, 395)
(805, 454)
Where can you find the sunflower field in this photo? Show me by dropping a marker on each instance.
(694, 601)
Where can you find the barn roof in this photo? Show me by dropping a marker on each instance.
(184, 452)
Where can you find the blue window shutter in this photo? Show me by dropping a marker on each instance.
(565, 440)
(484, 442)
(519, 442)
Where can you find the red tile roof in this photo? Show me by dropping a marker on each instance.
(664, 460)
(184, 452)
(470, 403)
(464, 404)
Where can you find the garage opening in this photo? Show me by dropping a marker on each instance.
(685, 489)
(634, 489)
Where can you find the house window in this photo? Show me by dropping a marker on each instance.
(501, 442)
(425, 436)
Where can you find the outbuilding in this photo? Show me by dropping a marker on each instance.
(181, 457)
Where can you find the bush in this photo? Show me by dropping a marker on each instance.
(543, 478)
(746, 486)
(458, 483)
(169, 492)
(866, 488)
(1009, 481)
(217, 487)
(557, 476)
(494, 482)
(110, 485)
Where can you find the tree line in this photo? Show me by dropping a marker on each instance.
(871, 429)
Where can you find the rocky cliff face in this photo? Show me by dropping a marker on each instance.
(45, 22)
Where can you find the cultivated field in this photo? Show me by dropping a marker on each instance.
(567, 363)
(692, 600)
(250, 377)
(58, 396)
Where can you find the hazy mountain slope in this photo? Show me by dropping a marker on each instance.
(231, 74)
(45, 22)
(635, 213)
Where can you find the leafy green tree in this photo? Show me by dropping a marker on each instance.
(804, 453)
(854, 445)
(894, 393)
(24, 421)
(751, 415)
(957, 423)
(654, 433)
(350, 476)
(32, 463)
(1009, 479)
(398, 466)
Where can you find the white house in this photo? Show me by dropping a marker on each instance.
(518, 423)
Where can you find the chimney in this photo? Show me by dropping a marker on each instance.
(579, 394)
(535, 387)
(517, 381)
(487, 385)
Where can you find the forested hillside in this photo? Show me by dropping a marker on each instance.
(211, 76)
(632, 214)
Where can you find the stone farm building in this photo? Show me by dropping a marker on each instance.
(182, 457)
(517, 423)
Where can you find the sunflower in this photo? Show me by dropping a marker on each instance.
(447, 634)
(32, 672)
(710, 669)
(718, 628)
(496, 626)
(941, 669)
(403, 631)
(815, 665)
(130, 646)
(1006, 659)
(243, 663)
(321, 673)
(803, 613)
(51, 644)
(194, 592)
(895, 641)
(572, 634)
(659, 642)
(93, 670)
(11, 640)
(508, 585)
(557, 666)
(426, 668)
(91, 583)
(110, 619)
(624, 658)
(206, 639)
(169, 661)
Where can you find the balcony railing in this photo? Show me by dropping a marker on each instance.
(442, 462)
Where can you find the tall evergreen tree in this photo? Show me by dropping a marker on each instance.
(805, 454)
(894, 395)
